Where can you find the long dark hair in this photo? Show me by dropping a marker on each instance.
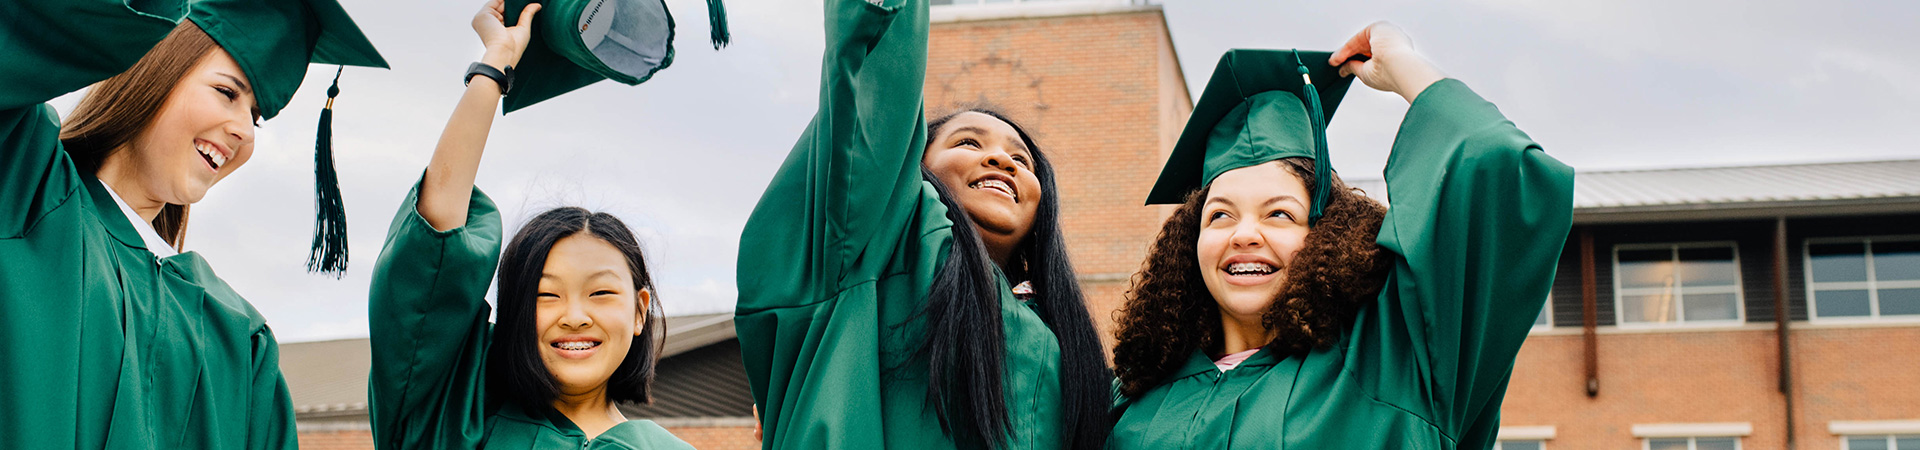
(514, 368)
(1169, 313)
(123, 106)
(964, 348)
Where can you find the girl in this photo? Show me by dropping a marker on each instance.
(578, 327)
(109, 337)
(1280, 309)
(885, 274)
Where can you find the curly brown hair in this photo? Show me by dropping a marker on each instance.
(1169, 313)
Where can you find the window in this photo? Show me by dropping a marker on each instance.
(1545, 321)
(1863, 278)
(1674, 284)
(1693, 443)
(1880, 442)
(1520, 444)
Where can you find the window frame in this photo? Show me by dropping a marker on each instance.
(1693, 442)
(1872, 285)
(1846, 440)
(1498, 443)
(1680, 321)
(1545, 311)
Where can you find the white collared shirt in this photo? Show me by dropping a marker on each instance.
(155, 244)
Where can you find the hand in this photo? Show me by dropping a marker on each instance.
(504, 44)
(1392, 64)
(756, 422)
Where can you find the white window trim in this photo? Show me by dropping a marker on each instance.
(1499, 444)
(1684, 430)
(1872, 285)
(1738, 291)
(1548, 311)
(1693, 442)
(1527, 433)
(1846, 441)
(1846, 427)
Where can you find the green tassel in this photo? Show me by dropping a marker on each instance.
(329, 251)
(1322, 165)
(717, 22)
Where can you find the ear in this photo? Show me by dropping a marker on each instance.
(642, 300)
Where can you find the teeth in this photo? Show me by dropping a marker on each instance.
(1247, 268)
(993, 184)
(575, 345)
(214, 156)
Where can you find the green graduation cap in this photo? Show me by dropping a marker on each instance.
(273, 41)
(580, 42)
(1256, 109)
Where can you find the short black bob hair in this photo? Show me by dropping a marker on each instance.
(514, 367)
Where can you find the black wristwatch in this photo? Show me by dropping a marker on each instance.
(504, 78)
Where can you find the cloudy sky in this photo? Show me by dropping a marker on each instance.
(682, 158)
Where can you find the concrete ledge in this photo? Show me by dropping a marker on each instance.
(1873, 426)
(1542, 432)
(1672, 430)
(1031, 10)
(705, 422)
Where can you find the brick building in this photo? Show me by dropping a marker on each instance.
(1730, 308)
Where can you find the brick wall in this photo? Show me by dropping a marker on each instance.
(718, 438)
(1103, 97)
(336, 440)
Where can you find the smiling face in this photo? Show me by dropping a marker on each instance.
(990, 170)
(587, 313)
(1253, 223)
(203, 132)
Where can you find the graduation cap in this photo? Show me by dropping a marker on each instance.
(1257, 108)
(580, 42)
(273, 41)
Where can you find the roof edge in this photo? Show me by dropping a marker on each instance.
(1030, 10)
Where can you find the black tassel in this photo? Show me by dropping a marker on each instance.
(717, 22)
(1322, 165)
(329, 251)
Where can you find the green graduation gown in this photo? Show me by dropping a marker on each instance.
(839, 255)
(428, 316)
(103, 345)
(1478, 217)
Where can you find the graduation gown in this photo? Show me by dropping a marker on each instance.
(428, 316)
(1478, 217)
(839, 254)
(102, 344)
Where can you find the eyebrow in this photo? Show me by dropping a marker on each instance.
(1275, 199)
(236, 80)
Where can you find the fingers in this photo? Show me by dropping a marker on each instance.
(526, 15)
(1360, 44)
(1352, 67)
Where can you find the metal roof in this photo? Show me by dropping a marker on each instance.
(329, 378)
(1736, 192)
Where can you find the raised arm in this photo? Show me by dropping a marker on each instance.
(427, 307)
(1478, 216)
(456, 159)
(853, 178)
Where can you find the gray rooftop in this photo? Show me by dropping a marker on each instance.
(1745, 192)
(328, 379)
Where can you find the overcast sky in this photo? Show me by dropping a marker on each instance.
(683, 158)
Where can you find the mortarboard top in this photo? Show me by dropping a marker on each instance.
(1256, 110)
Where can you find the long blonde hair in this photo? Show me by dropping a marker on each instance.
(120, 108)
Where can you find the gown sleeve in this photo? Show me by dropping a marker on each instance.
(273, 428)
(1478, 215)
(428, 318)
(834, 215)
(47, 49)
